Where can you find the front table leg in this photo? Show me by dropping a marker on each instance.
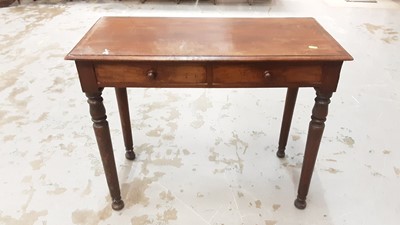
(315, 130)
(103, 138)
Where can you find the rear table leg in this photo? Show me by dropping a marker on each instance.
(123, 108)
(287, 120)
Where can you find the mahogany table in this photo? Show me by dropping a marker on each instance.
(124, 52)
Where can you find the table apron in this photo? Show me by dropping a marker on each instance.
(218, 75)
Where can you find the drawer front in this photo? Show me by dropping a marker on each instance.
(147, 74)
(266, 75)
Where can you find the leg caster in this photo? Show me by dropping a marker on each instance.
(300, 204)
(117, 204)
(280, 153)
(130, 155)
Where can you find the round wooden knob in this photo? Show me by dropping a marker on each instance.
(267, 74)
(152, 74)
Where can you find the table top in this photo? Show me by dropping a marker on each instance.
(207, 39)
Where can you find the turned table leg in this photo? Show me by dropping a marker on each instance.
(315, 130)
(102, 132)
(123, 108)
(290, 102)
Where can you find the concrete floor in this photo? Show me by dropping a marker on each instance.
(204, 156)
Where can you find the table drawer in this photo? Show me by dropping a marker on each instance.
(266, 74)
(148, 74)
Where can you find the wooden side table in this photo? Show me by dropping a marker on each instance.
(124, 52)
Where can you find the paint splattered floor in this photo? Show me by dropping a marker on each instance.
(204, 156)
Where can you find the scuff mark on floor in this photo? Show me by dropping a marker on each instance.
(236, 163)
(236, 141)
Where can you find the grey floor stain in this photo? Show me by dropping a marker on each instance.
(331, 160)
(388, 35)
(155, 132)
(5, 118)
(20, 102)
(166, 196)
(340, 153)
(57, 190)
(9, 137)
(96, 165)
(199, 122)
(295, 137)
(91, 217)
(258, 204)
(349, 141)
(257, 134)
(185, 152)
(168, 137)
(50, 138)
(167, 215)
(333, 170)
(271, 222)
(174, 114)
(36, 164)
(88, 188)
(27, 218)
(386, 152)
(150, 158)
(141, 220)
(238, 143)
(396, 171)
(377, 174)
(202, 103)
(42, 117)
(296, 165)
(236, 163)
(11, 78)
(199, 195)
(135, 191)
(275, 207)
